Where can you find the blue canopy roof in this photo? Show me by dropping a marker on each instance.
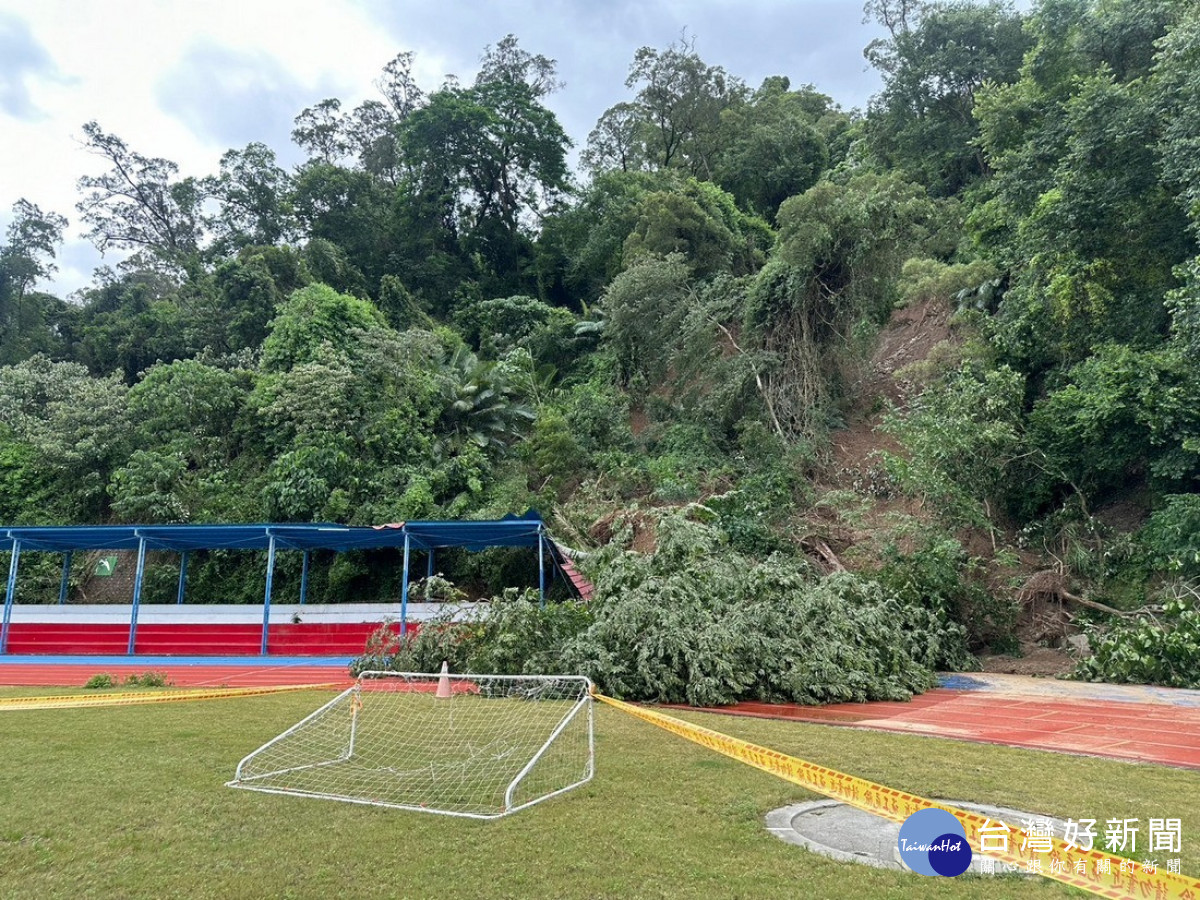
(510, 531)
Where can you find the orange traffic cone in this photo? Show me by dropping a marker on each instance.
(443, 688)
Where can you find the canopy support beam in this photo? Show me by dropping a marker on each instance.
(267, 592)
(541, 569)
(404, 591)
(137, 594)
(65, 584)
(183, 561)
(304, 579)
(11, 595)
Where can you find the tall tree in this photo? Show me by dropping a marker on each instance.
(675, 117)
(321, 131)
(776, 145)
(254, 197)
(507, 62)
(496, 158)
(27, 257)
(922, 121)
(139, 204)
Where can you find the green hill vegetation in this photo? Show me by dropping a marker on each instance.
(825, 398)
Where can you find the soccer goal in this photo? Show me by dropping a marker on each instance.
(481, 746)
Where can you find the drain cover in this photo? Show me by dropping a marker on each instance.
(848, 834)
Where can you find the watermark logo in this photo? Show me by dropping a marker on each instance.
(933, 842)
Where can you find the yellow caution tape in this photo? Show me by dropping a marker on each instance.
(1103, 874)
(79, 701)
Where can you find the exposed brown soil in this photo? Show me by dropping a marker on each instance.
(1034, 660)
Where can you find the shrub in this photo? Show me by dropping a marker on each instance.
(1172, 536)
(147, 679)
(938, 574)
(510, 635)
(103, 680)
(1147, 649)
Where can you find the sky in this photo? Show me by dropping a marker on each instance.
(189, 80)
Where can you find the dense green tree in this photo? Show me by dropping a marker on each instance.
(27, 319)
(702, 222)
(1077, 210)
(349, 209)
(311, 319)
(254, 197)
(582, 247)
(480, 407)
(184, 418)
(494, 158)
(775, 146)
(321, 131)
(675, 117)
(131, 321)
(934, 63)
(73, 426)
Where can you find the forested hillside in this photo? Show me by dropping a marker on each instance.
(894, 383)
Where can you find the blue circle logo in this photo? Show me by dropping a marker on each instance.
(933, 842)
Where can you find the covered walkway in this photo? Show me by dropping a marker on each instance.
(302, 629)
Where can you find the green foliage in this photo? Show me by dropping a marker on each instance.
(147, 680)
(480, 407)
(311, 318)
(506, 323)
(508, 635)
(645, 307)
(701, 223)
(1148, 649)
(1120, 411)
(77, 425)
(840, 249)
(921, 123)
(1172, 535)
(963, 438)
(934, 571)
(348, 431)
(924, 280)
(1078, 208)
(776, 145)
(674, 119)
(102, 680)
(699, 623)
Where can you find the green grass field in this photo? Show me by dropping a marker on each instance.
(130, 803)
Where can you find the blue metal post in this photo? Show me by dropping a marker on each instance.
(404, 592)
(304, 579)
(137, 593)
(542, 570)
(66, 579)
(11, 595)
(267, 593)
(429, 568)
(183, 561)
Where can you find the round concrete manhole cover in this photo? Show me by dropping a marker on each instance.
(848, 834)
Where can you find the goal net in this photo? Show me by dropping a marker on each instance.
(480, 746)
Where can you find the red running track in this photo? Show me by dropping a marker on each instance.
(1149, 732)
(251, 674)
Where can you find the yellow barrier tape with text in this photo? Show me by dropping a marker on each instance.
(1092, 870)
(82, 701)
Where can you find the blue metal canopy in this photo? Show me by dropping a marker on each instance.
(511, 531)
(508, 532)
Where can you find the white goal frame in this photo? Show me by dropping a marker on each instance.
(270, 781)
